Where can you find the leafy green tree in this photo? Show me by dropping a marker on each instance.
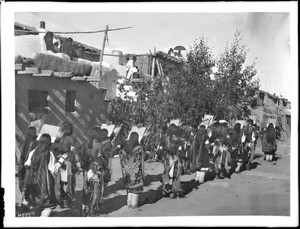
(234, 88)
(151, 105)
(188, 91)
(191, 85)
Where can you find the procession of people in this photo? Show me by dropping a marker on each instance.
(47, 171)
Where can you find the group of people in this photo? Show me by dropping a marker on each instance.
(216, 149)
(48, 171)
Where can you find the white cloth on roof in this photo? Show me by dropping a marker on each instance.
(29, 45)
(95, 66)
(59, 54)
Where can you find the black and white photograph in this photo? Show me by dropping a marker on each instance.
(149, 114)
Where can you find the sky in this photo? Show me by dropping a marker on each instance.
(266, 35)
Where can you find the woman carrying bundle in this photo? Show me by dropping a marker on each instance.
(269, 145)
(85, 156)
(169, 155)
(219, 139)
(82, 161)
(132, 166)
(66, 179)
(100, 170)
(234, 146)
(39, 182)
(247, 143)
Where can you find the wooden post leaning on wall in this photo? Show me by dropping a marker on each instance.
(158, 67)
(153, 62)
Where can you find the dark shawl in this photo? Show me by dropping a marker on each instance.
(200, 156)
(41, 181)
(269, 140)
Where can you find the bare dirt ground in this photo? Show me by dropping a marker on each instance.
(263, 190)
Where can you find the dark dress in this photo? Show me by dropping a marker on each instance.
(234, 141)
(269, 145)
(200, 154)
(39, 181)
(27, 148)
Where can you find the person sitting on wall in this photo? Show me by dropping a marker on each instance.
(171, 52)
(131, 69)
(67, 47)
(56, 44)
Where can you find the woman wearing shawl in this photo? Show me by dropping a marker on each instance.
(234, 146)
(83, 160)
(200, 154)
(218, 136)
(269, 145)
(29, 145)
(99, 173)
(172, 146)
(39, 181)
(102, 153)
(67, 178)
(132, 166)
(247, 143)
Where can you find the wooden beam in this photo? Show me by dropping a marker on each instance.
(79, 78)
(63, 74)
(101, 54)
(32, 70)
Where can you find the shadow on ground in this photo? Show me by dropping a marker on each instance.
(276, 158)
(254, 165)
(146, 197)
(115, 203)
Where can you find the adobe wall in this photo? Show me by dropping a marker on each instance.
(89, 105)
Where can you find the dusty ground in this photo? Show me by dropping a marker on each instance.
(264, 190)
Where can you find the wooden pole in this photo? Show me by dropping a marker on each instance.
(153, 62)
(101, 54)
(153, 66)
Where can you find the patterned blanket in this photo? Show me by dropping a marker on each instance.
(132, 166)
